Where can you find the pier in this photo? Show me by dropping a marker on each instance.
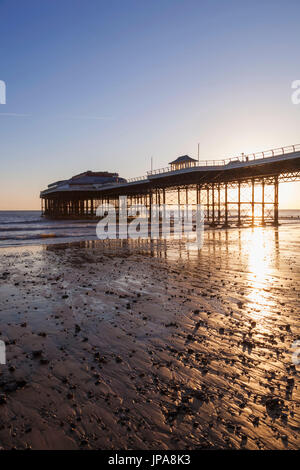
(236, 191)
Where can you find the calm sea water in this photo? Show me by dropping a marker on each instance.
(29, 227)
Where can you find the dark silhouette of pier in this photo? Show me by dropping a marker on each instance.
(240, 190)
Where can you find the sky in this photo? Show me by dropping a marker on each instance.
(106, 85)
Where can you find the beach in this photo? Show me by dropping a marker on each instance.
(148, 345)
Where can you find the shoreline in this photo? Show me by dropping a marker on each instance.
(53, 239)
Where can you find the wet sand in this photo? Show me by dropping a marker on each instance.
(150, 346)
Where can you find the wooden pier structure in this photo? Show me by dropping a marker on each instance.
(238, 191)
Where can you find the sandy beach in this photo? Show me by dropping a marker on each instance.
(145, 345)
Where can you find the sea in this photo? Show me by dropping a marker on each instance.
(30, 227)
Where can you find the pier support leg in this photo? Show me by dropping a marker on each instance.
(198, 194)
(159, 214)
(226, 207)
(263, 203)
(276, 191)
(239, 204)
(213, 206)
(149, 215)
(219, 203)
(207, 202)
(252, 203)
(164, 203)
(92, 207)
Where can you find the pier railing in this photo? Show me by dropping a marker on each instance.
(137, 178)
(243, 158)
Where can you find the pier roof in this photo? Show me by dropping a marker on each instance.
(183, 159)
(86, 181)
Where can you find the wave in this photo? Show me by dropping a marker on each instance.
(42, 222)
(44, 227)
(40, 236)
(27, 221)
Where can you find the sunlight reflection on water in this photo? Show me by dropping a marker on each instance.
(261, 251)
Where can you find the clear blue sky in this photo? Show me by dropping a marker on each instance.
(105, 85)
